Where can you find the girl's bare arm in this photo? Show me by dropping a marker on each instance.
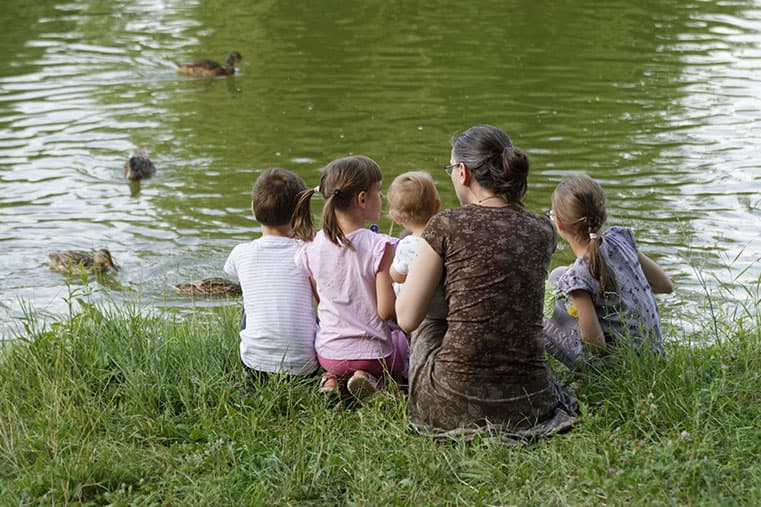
(657, 278)
(384, 288)
(589, 325)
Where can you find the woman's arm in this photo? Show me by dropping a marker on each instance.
(589, 327)
(423, 278)
(384, 287)
(657, 278)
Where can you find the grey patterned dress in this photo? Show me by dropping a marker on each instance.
(627, 315)
(484, 368)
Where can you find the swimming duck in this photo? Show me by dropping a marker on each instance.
(76, 262)
(208, 287)
(139, 166)
(210, 68)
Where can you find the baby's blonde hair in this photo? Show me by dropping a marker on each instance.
(413, 198)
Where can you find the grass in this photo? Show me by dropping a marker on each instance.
(119, 406)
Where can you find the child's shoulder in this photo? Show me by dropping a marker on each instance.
(266, 243)
(410, 239)
(577, 277)
(623, 234)
(371, 237)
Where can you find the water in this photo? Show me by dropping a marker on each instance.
(662, 104)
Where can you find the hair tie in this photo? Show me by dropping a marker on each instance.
(507, 150)
(336, 192)
(593, 236)
(316, 189)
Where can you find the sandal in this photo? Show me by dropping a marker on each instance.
(362, 385)
(328, 384)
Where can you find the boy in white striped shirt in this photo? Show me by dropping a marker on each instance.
(279, 313)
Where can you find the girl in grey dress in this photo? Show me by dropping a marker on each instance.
(606, 295)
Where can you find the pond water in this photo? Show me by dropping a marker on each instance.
(660, 102)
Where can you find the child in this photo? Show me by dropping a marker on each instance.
(412, 200)
(349, 265)
(609, 290)
(280, 325)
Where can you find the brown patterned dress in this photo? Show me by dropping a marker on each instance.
(484, 368)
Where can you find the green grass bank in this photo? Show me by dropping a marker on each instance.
(119, 406)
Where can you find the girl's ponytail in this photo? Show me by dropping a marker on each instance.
(330, 224)
(598, 265)
(303, 227)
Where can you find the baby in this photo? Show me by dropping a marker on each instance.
(412, 200)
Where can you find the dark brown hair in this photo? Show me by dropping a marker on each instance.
(340, 182)
(275, 195)
(579, 203)
(495, 163)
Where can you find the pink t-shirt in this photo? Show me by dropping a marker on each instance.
(350, 327)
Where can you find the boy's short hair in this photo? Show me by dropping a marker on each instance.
(412, 197)
(275, 195)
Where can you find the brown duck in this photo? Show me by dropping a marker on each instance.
(76, 262)
(208, 287)
(139, 166)
(209, 68)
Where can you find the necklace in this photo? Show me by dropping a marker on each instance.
(490, 197)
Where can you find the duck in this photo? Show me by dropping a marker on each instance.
(209, 287)
(209, 68)
(77, 262)
(138, 167)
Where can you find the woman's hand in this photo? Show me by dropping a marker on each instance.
(423, 278)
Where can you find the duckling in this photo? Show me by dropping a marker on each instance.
(208, 68)
(139, 166)
(209, 287)
(76, 262)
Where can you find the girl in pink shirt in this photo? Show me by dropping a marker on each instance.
(349, 267)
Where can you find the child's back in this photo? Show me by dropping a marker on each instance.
(350, 327)
(278, 302)
(629, 312)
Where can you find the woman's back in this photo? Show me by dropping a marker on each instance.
(490, 367)
(495, 296)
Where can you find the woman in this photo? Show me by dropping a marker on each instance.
(484, 367)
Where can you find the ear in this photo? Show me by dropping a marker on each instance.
(464, 174)
(361, 198)
(394, 216)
